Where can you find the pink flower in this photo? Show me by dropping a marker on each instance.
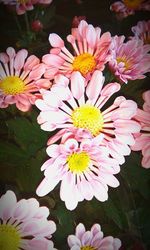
(20, 79)
(142, 31)
(24, 224)
(90, 52)
(84, 169)
(24, 5)
(130, 60)
(125, 8)
(79, 110)
(92, 240)
(142, 141)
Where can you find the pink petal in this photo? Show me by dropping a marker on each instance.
(31, 62)
(73, 240)
(20, 59)
(55, 40)
(46, 186)
(52, 60)
(77, 85)
(95, 85)
(7, 202)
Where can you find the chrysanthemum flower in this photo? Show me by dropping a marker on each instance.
(130, 60)
(125, 8)
(24, 5)
(90, 52)
(142, 31)
(84, 169)
(81, 112)
(24, 225)
(142, 141)
(20, 79)
(92, 240)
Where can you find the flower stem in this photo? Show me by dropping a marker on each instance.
(27, 22)
(18, 24)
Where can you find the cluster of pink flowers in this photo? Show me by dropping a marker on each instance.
(125, 8)
(24, 5)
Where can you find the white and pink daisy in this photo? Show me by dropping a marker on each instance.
(125, 8)
(130, 60)
(142, 141)
(92, 240)
(142, 31)
(79, 110)
(84, 169)
(24, 5)
(20, 79)
(90, 52)
(24, 225)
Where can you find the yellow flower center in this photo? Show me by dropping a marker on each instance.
(9, 238)
(88, 117)
(132, 4)
(124, 60)
(78, 162)
(84, 63)
(88, 248)
(12, 85)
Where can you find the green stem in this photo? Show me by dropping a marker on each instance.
(27, 22)
(18, 24)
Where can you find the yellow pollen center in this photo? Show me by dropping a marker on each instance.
(9, 238)
(133, 4)
(12, 85)
(88, 248)
(124, 60)
(84, 63)
(88, 117)
(78, 162)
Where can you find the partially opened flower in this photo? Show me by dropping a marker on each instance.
(80, 110)
(142, 141)
(142, 31)
(90, 52)
(130, 60)
(92, 239)
(125, 8)
(24, 225)
(20, 79)
(84, 170)
(24, 5)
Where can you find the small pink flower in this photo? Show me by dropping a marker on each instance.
(90, 52)
(125, 8)
(20, 79)
(24, 5)
(142, 141)
(84, 170)
(142, 31)
(79, 110)
(130, 60)
(24, 225)
(92, 240)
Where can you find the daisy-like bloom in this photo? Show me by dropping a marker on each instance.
(130, 60)
(24, 5)
(142, 31)
(90, 52)
(92, 240)
(24, 225)
(142, 141)
(79, 109)
(20, 79)
(84, 170)
(125, 8)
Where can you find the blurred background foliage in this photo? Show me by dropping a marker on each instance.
(23, 144)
